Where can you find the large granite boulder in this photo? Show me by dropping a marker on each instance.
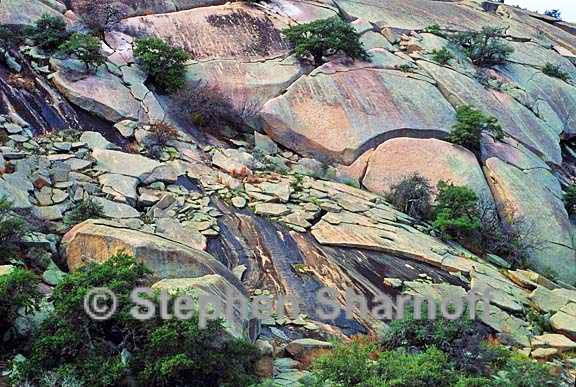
(338, 115)
(516, 119)
(19, 12)
(435, 159)
(406, 15)
(212, 285)
(124, 163)
(534, 195)
(98, 240)
(236, 47)
(103, 94)
(522, 25)
(552, 98)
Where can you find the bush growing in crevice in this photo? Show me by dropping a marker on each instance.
(434, 29)
(161, 133)
(84, 210)
(412, 195)
(207, 107)
(85, 48)
(513, 239)
(556, 71)
(485, 48)
(325, 37)
(469, 126)
(163, 63)
(442, 56)
(49, 32)
(455, 211)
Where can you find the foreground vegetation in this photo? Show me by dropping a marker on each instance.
(70, 348)
(420, 353)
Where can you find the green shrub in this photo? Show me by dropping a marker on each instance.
(12, 229)
(18, 290)
(406, 68)
(556, 72)
(85, 48)
(178, 352)
(484, 48)
(412, 195)
(155, 352)
(470, 124)
(434, 29)
(442, 56)
(569, 199)
(84, 210)
(402, 369)
(455, 211)
(49, 32)
(163, 63)
(349, 364)
(325, 37)
(520, 371)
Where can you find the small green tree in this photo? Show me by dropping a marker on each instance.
(84, 210)
(470, 123)
(86, 48)
(556, 71)
(163, 63)
(49, 32)
(485, 48)
(456, 211)
(325, 37)
(442, 56)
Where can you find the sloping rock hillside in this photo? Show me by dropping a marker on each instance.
(296, 201)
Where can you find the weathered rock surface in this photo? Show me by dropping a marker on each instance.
(516, 120)
(534, 195)
(324, 115)
(104, 95)
(210, 286)
(124, 163)
(96, 241)
(20, 12)
(235, 47)
(434, 159)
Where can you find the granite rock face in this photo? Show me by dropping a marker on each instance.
(234, 47)
(18, 12)
(326, 116)
(434, 159)
(96, 241)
